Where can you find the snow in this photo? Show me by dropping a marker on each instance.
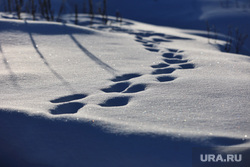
(130, 94)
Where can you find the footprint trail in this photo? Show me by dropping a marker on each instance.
(122, 87)
(67, 108)
(151, 40)
(68, 98)
(116, 101)
(162, 71)
(65, 104)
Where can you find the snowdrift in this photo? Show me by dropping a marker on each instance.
(122, 94)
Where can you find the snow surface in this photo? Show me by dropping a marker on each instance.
(122, 94)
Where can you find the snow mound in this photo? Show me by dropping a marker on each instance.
(145, 93)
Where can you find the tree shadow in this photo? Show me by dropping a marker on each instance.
(45, 61)
(42, 28)
(12, 75)
(93, 57)
(88, 53)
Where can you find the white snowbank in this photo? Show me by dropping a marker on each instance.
(133, 94)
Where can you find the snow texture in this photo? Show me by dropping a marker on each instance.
(122, 94)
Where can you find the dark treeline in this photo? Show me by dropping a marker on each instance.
(51, 12)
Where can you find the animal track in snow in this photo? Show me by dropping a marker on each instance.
(175, 61)
(119, 87)
(173, 50)
(67, 108)
(161, 65)
(172, 56)
(168, 55)
(139, 37)
(187, 66)
(152, 49)
(125, 77)
(69, 98)
(176, 37)
(150, 40)
(148, 45)
(164, 71)
(116, 101)
(141, 41)
(178, 56)
(136, 88)
(122, 87)
(160, 40)
(165, 78)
